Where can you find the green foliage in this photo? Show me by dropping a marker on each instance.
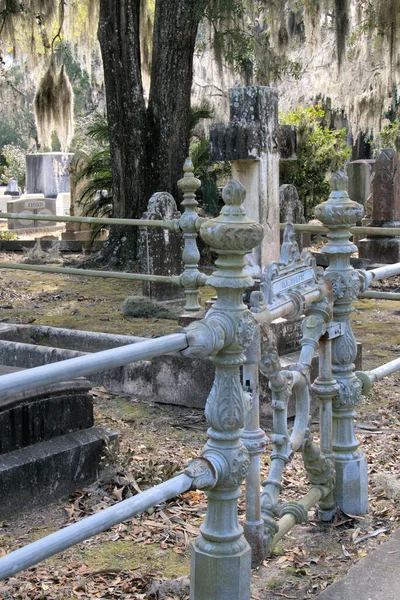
(140, 307)
(209, 172)
(242, 36)
(95, 196)
(320, 152)
(389, 137)
(15, 164)
(6, 235)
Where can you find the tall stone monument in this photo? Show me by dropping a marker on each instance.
(48, 173)
(385, 210)
(251, 142)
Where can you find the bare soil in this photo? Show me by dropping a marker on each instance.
(137, 559)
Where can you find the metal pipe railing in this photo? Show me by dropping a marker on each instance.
(173, 224)
(386, 369)
(173, 279)
(374, 231)
(30, 379)
(166, 223)
(82, 530)
(380, 295)
(288, 521)
(384, 272)
(368, 378)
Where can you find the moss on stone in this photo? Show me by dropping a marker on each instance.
(126, 555)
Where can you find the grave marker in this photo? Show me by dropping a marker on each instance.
(385, 210)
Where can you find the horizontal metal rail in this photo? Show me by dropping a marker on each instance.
(166, 223)
(172, 223)
(374, 231)
(368, 378)
(82, 530)
(173, 279)
(386, 369)
(288, 521)
(30, 379)
(386, 271)
(380, 295)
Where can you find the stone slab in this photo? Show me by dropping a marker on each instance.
(375, 577)
(381, 250)
(176, 379)
(134, 378)
(42, 473)
(46, 414)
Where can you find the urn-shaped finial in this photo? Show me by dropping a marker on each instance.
(339, 181)
(232, 230)
(232, 235)
(339, 210)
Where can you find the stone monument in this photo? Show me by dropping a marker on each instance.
(251, 142)
(12, 188)
(48, 173)
(385, 210)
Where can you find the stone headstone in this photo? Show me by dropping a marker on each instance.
(386, 190)
(48, 173)
(359, 173)
(160, 250)
(12, 188)
(31, 205)
(385, 210)
(291, 210)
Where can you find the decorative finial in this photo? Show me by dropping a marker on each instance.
(189, 183)
(233, 193)
(188, 167)
(339, 181)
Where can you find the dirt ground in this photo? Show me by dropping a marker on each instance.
(137, 559)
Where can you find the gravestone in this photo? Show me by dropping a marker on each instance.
(359, 173)
(48, 173)
(385, 210)
(12, 188)
(291, 210)
(160, 250)
(31, 205)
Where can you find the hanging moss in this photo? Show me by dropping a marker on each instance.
(53, 105)
(342, 27)
(63, 109)
(43, 105)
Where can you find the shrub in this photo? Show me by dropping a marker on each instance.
(15, 164)
(320, 152)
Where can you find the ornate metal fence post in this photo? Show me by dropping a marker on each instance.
(221, 556)
(189, 223)
(340, 213)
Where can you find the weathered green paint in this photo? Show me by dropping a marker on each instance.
(338, 214)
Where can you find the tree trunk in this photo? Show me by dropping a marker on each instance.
(119, 41)
(148, 146)
(175, 29)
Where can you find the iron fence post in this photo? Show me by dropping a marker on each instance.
(189, 224)
(339, 214)
(221, 556)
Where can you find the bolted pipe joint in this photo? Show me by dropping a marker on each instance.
(204, 338)
(203, 473)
